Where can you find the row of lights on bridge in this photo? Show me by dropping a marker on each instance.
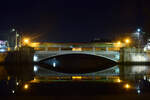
(126, 41)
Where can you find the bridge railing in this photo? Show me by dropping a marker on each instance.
(81, 49)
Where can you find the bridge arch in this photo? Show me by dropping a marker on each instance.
(76, 62)
(62, 54)
(41, 55)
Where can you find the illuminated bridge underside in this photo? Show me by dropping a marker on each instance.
(41, 55)
(113, 71)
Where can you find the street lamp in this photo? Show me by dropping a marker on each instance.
(127, 41)
(138, 30)
(16, 37)
(138, 34)
(26, 41)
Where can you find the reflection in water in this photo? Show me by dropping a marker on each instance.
(134, 72)
(12, 76)
(3, 73)
(139, 69)
(44, 72)
(35, 68)
(26, 73)
(139, 58)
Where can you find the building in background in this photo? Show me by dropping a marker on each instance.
(4, 46)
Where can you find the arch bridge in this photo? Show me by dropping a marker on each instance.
(48, 50)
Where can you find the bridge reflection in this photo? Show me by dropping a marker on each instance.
(129, 73)
(26, 73)
(113, 71)
(12, 76)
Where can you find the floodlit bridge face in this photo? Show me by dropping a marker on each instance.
(42, 55)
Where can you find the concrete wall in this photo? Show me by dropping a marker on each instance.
(134, 55)
(23, 56)
(3, 57)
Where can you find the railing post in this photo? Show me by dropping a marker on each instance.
(93, 49)
(46, 48)
(106, 48)
(59, 49)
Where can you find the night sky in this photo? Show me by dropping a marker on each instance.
(74, 20)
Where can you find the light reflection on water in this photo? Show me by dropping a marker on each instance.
(27, 73)
(124, 72)
(135, 72)
(140, 69)
(14, 75)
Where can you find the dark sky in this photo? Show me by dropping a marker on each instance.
(74, 20)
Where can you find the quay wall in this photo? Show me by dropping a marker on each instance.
(22, 56)
(134, 56)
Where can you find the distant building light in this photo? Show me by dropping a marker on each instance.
(13, 91)
(13, 30)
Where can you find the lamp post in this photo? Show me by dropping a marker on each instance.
(16, 38)
(138, 33)
(17, 35)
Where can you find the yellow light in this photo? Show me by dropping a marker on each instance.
(76, 77)
(127, 86)
(118, 80)
(127, 41)
(26, 41)
(76, 49)
(26, 86)
(34, 44)
(118, 42)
